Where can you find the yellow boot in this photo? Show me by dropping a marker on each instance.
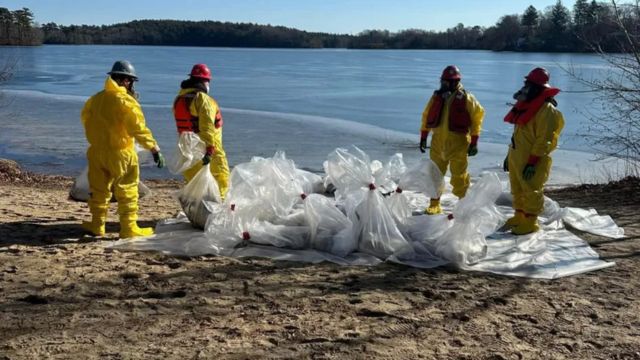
(528, 225)
(129, 228)
(96, 226)
(434, 207)
(516, 219)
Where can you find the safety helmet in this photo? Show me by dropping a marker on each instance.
(539, 76)
(123, 67)
(201, 71)
(451, 72)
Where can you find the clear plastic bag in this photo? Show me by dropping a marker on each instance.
(474, 217)
(424, 177)
(388, 176)
(282, 236)
(399, 206)
(311, 183)
(425, 228)
(330, 229)
(379, 234)
(348, 171)
(203, 187)
(189, 150)
(270, 186)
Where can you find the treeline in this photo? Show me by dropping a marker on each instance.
(587, 25)
(191, 33)
(557, 28)
(17, 28)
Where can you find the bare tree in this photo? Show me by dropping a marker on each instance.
(614, 129)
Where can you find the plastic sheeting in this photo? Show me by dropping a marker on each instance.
(269, 213)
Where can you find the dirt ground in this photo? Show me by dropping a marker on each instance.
(64, 296)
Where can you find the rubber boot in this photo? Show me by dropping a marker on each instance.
(434, 207)
(129, 228)
(527, 226)
(516, 219)
(96, 226)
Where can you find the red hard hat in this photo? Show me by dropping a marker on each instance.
(539, 76)
(201, 71)
(451, 72)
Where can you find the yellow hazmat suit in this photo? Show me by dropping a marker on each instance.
(112, 119)
(449, 148)
(206, 109)
(531, 144)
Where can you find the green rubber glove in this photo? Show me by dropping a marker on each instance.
(529, 171)
(158, 159)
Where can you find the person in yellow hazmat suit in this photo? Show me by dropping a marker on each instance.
(112, 120)
(537, 127)
(194, 110)
(454, 116)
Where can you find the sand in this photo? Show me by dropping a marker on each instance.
(64, 296)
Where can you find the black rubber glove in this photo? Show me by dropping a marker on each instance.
(206, 159)
(505, 164)
(473, 150)
(423, 145)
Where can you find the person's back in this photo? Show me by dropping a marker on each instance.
(112, 119)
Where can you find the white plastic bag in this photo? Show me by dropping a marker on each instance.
(203, 187)
(80, 188)
(189, 150)
(330, 229)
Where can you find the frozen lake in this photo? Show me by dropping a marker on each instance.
(306, 102)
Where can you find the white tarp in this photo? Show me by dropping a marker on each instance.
(269, 215)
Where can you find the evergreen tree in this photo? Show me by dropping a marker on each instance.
(560, 18)
(581, 15)
(531, 17)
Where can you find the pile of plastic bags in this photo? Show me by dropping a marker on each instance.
(375, 209)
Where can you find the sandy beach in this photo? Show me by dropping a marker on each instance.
(64, 296)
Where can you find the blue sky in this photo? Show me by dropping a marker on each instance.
(346, 16)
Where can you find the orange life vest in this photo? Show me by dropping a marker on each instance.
(459, 117)
(522, 112)
(185, 121)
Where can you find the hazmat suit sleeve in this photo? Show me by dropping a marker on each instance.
(476, 112)
(135, 124)
(85, 115)
(548, 124)
(206, 109)
(424, 127)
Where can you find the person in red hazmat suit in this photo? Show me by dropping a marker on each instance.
(194, 110)
(112, 121)
(537, 126)
(454, 116)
